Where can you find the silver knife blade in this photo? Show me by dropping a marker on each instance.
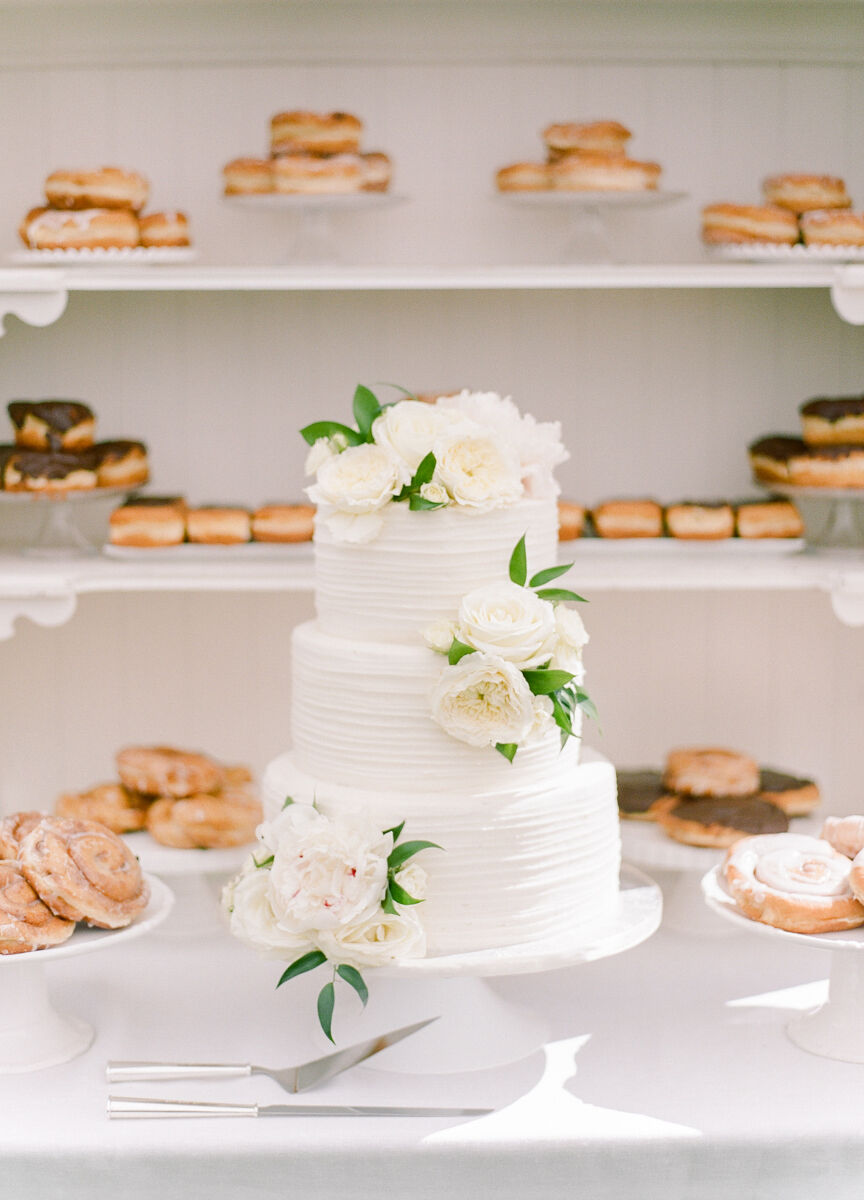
(139, 1107)
(312, 1074)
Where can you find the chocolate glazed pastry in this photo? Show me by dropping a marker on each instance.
(48, 471)
(721, 820)
(52, 424)
(829, 420)
(795, 796)
(641, 794)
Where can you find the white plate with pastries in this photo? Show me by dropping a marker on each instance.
(198, 552)
(117, 256)
(771, 252)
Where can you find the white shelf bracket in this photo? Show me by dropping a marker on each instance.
(847, 601)
(847, 294)
(35, 308)
(50, 611)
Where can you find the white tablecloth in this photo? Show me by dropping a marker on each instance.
(666, 1074)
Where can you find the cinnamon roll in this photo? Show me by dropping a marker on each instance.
(111, 804)
(26, 921)
(711, 771)
(205, 822)
(164, 771)
(13, 829)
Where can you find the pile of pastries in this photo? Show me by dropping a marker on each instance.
(829, 453)
(56, 871)
(183, 799)
(581, 156)
(691, 520)
(311, 154)
(54, 451)
(151, 522)
(100, 209)
(801, 884)
(713, 796)
(813, 209)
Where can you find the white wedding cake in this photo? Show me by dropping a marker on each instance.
(435, 647)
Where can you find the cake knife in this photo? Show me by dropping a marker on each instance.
(141, 1107)
(292, 1079)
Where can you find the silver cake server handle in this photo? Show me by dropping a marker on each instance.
(137, 1107)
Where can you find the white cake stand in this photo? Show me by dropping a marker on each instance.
(836, 1028)
(58, 533)
(833, 517)
(315, 238)
(33, 1034)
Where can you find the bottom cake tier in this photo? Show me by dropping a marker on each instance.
(514, 866)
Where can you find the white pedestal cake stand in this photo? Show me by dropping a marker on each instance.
(835, 1029)
(315, 239)
(33, 1034)
(58, 532)
(196, 879)
(476, 1027)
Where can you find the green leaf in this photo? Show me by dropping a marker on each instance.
(508, 749)
(398, 388)
(519, 563)
(326, 1001)
(399, 855)
(396, 831)
(457, 651)
(587, 705)
(366, 409)
(561, 715)
(548, 575)
(418, 503)
(307, 962)
(425, 471)
(560, 594)
(288, 800)
(544, 683)
(265, 862)
(387, 903)
(400, 895)
(353, 977)
(329, 429)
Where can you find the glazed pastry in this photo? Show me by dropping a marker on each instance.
(588, 137)
(800, 193)
(111, 804)
(702, 522)
(218, 525)
(832, 228)
(845, 834)
(205, 822)
(248, 177)
(571, 520)
(314, 133)
(642, 795)
(720, 820)
(26, 921)
(149, 521)
(711, 771)
(164, 229)
(628, 519)
(311, 174)
(121, 464)
(49, 473)
(792, 882)
(13, 829)
(734, 224)
(796, 797)
(829, 466)
(237, 776)
(283, 523)
(84, 872)
(107, 187)
(603, 173)
(377, 169)
(87, 229)
(523, 177)
(768, 519)
(772, 458)
(828, 421)
(164, 771)
(52, 424)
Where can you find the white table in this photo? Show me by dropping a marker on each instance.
(667, 1075)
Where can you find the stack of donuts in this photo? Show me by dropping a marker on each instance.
(154, 522)
(311, 154)
(713, 796)
(55, 452)
(55, 872)
(581, 156)
(100, 210)
(801, 884)
(707, 520)
(182, 798)
(829, 453)
(813, 209)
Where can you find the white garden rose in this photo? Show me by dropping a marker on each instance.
(380, 939)
(412, 878)
(410, 428)
(326, 873)
(361, 479)
(439, 635)
(571, 637)
(436, 493)
(319, 452)
(544, 720)
(479, 471)
(252, 920)
(510, 621)
(483, 700)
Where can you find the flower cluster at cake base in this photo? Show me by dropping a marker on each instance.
(473, 451)
(514, 662)
(319, 890)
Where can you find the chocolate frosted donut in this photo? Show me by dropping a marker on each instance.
(52, 424)
(121, 463)
(794, 795)
(43, 471)
(721, 820)
(834, 466)
(829, 420)
(642, 794)
(771, 457)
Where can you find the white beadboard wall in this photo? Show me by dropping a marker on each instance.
(658, 392)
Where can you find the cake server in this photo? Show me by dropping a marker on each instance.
(292, 1079)
(140, 1107)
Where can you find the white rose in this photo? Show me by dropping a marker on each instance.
(410, 428)
(483, 700)
(510, 621)
(412, 878)
(543, 720)
(479, 471)
(326, 873)
(252, 920)
(571, 637)
(381, 939)
(362, 479)
(439, 636)
(434, 492)
(319, 452)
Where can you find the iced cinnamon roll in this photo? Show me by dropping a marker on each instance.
(111, 804)
(164, 771)
(14, 828)
(845, 834)
(205, 822)
(26, 921)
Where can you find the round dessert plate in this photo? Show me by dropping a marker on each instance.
(327, 202)
(125, 256)
(766, 252)
(683, 547)
(74, 496)
(157, 859)
(649, 198)
(814, 493)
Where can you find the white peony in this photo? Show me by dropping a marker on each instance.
(479, 471)
(410, 428)
(483, 700)
(325, 873)
(252, 920)
(510, 621)
(380, 939)
(571, 637)
(439, 635)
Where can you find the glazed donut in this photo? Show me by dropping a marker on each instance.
(86, 229)
(248, 177)
(205, 822)
(283, 523)
(26, 921)
(121, 464)
(796, 797)
(13, 829)
(719, 820)
(591, 137)
(523, 177)
(768, 519)
(314, 133)
(148, 521)
(107, 187)
(734, 224)
(164, 229)
(571, 520)
(49, 473)
(709, 521)
(311, 174)
(772, 458)
(628, 519)
(84, 872)
(800, 193)
(825, 227)
(52, 424)
(218, 525)
(828, 421)
(642, 795)
(711, 771)
(792, 882)
(377, 169)
(111, 804)
(164, 771)
(603, 173)
(845, 834)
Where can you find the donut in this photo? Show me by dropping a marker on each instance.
(52, 424)
(792, 882)
(832, 420)
(26, 921)
(571, 520)
(164, 229)
(603, 173)
(523, 177)
(768, 519)
(247, 177)
(218, 525)
(310, 174)
(826, 227)
(628, 519)
(719, 820)
(283, 523)
(710, 771)
(205, 822)
(106, 187)
(164, 771)
(642, 795)
(845, 834)
(771, 457)
(48, 472)
(84, 872)
(148, 521)
(736, 224)
(377, 171)
(592, 137)
(795, 796)
(15, 827)
(835, 466)
(121, 464)
(87, 229)
(801, 193)
(700, 521)
(314, 133)
(111, 804)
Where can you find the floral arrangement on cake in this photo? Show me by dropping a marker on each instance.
(319, 890)
(473, 451)
(514, 661)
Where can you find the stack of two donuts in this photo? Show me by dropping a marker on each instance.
(828, 453)
(813, 209)
(582, 156)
